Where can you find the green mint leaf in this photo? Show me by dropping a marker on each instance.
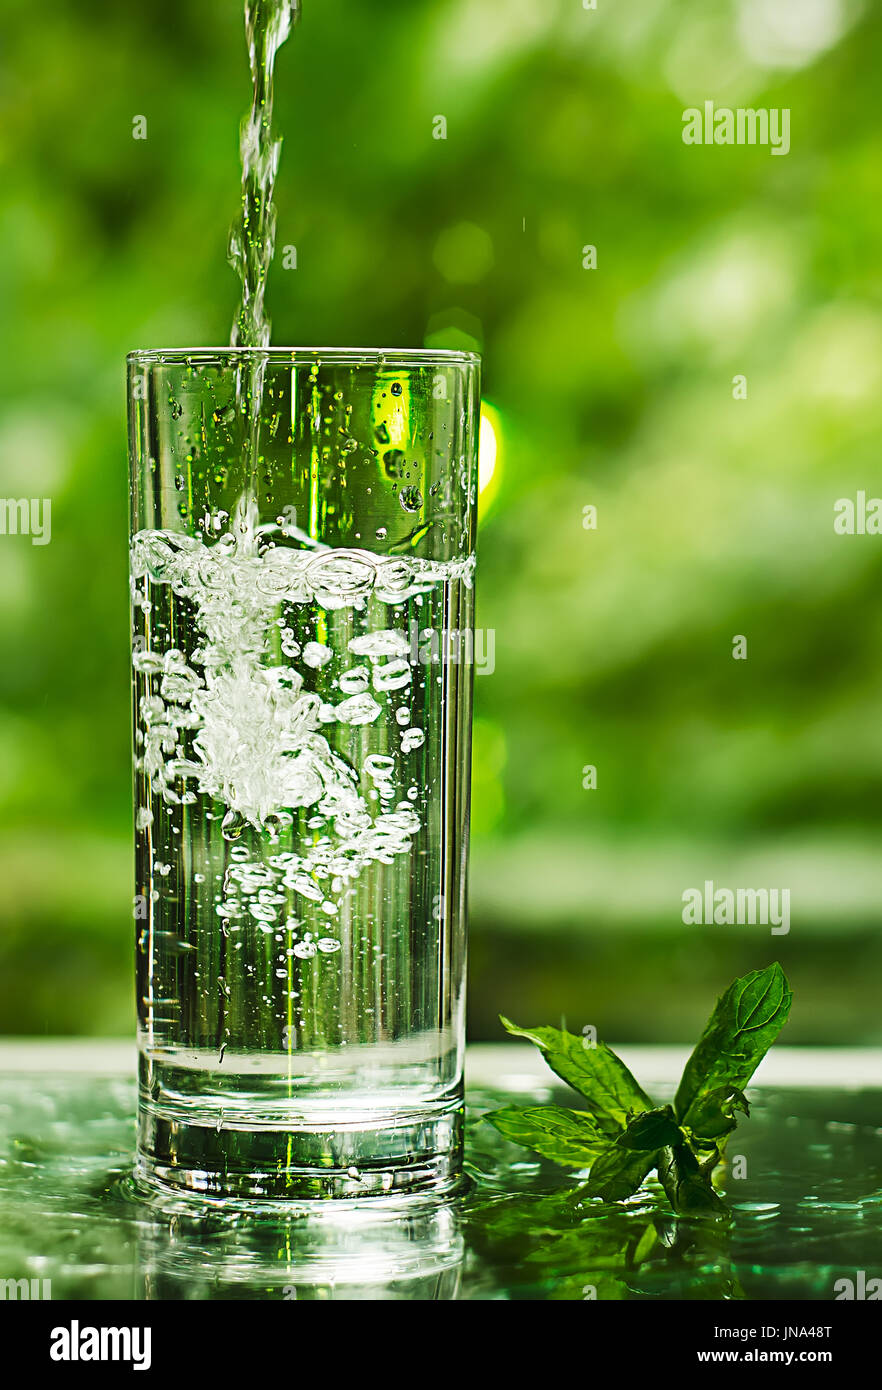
(566, 1136)
(618, 1172)
(652, 1130)
(688, 1189)
(741, 1029)
(712, 1113)
(594, 1070)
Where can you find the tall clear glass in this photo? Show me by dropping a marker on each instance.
(302, 559)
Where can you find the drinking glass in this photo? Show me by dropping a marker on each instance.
(302, 562)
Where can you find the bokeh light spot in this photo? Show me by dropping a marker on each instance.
(489, 456)
(463, 253)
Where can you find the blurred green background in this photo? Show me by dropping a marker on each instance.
(611, 387)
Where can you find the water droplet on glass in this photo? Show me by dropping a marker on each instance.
(394, 463)
(411, 499)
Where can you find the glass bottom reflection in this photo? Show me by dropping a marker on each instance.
(408, 1250)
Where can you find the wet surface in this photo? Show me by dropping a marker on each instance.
(806, 1212)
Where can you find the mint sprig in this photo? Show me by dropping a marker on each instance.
(622, 1137)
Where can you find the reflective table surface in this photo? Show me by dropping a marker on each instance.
(806, 1210)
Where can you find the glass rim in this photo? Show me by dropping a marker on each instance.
(333, 356)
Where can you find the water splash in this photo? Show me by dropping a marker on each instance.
(221, 719)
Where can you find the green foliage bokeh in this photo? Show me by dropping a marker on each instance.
(613, 388)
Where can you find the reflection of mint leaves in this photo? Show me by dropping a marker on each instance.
(621, 1138)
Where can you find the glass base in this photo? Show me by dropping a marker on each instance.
(375, 1156)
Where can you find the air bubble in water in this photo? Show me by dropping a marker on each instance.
(378, 766)
(232, 825)
(358, 709)
(303, 884)
(392, 675)
(341, 577)
(252, 736)
(394, 580)
(262, 912)
(355, 680)
(147, 662)
(316, 654)
(388, 642)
